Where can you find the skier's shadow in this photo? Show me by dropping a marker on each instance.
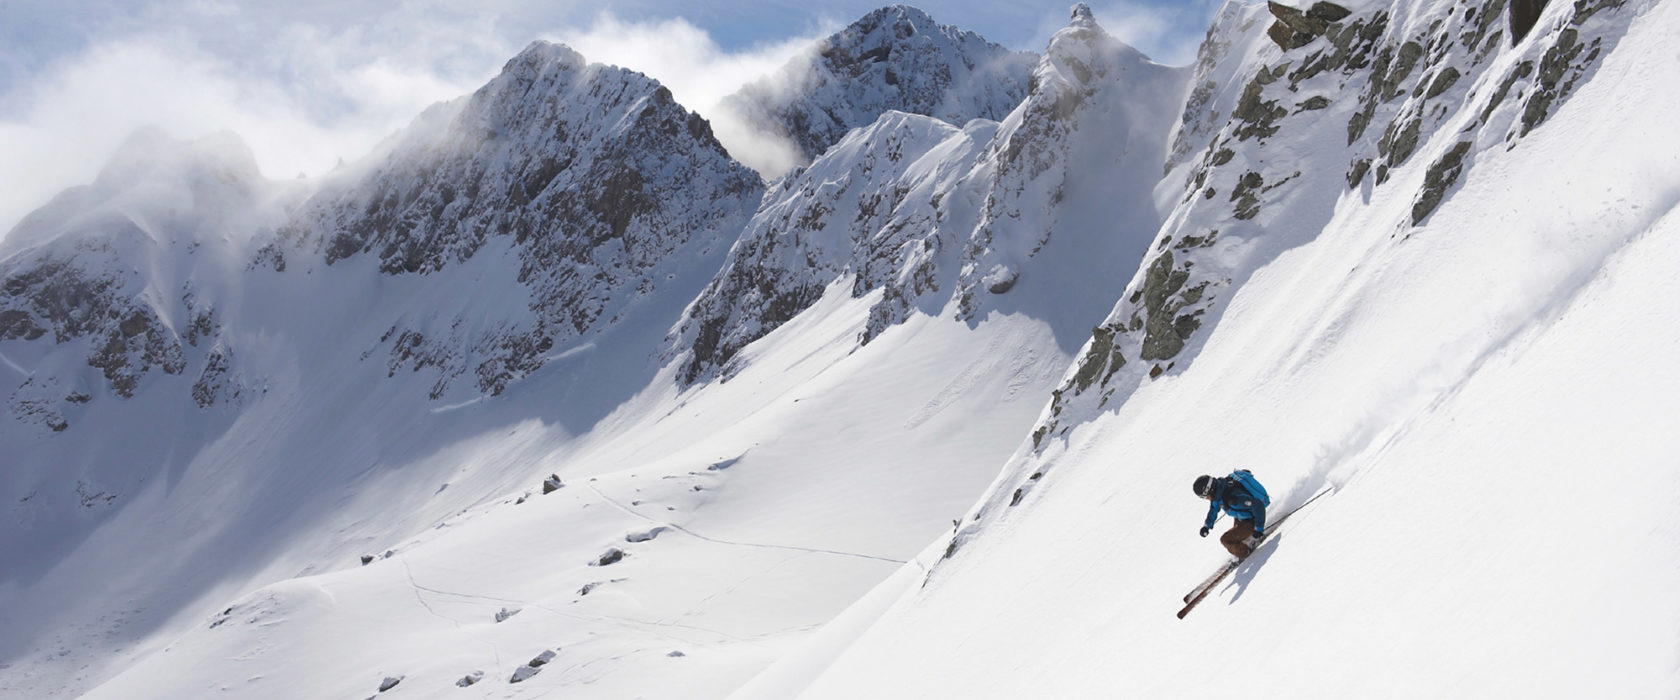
(1249, 567)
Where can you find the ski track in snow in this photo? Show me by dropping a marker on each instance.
(788, 547)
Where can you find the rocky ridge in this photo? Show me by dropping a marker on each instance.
(122, 277)
(1386, 89)
(896, 58)
(597, 176)
(927, 214)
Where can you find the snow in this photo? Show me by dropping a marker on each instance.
(1489, 397)
(1483, 395)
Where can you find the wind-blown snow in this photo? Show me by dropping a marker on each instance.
(920, 423)
(1481, 395)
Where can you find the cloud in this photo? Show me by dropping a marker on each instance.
(1168, 33)
(310, 106)
(310, 82)
(700, 74)
(310, 85)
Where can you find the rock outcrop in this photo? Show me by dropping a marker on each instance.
(896, 58)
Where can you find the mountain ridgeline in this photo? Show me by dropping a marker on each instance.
(569, 240)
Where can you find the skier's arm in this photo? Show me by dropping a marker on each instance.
(1213, 514)
(1259, 510)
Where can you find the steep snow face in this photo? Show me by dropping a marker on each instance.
(1426, 342)
(1368, 90)
(1215, 87)
(895, 58)
(599, 182)
(1030, 215)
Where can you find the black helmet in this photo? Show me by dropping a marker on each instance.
(1203, 486)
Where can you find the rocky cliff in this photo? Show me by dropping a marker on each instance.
(896, 58)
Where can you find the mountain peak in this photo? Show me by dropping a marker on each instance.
(543, 52)
(905, 20)
(150, 148)
(1082, 15)
(894, 58)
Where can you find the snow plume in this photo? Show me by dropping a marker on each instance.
(332, 109)
(699, 73)
(1166, 32)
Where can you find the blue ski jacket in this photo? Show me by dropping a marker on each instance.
(1233, 496)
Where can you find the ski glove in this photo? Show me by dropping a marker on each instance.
(1258, 534)
(1205, 531)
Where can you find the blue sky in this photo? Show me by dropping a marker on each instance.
(308, 82)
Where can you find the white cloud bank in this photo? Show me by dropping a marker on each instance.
(304, 97)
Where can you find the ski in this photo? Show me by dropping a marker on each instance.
(1211, 584)
(1208, 582)
(1199, 592)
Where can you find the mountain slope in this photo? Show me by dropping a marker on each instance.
(534, 401)
(1443, 379)
(230, 371)
(1027, 216)
(604, 184)
(422, 339)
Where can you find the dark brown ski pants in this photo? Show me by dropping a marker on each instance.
(1235, 539)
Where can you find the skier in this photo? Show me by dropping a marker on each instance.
(1241, 496)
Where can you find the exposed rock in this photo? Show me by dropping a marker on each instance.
(1328, 12)
(470, 679)
(1246, 195)
(594, 175)
(895, 58)
(1442, 174)
(861, 211)
(552, 484)
(18, 324)
(644, 535)
(1444, 80)
(1259, 115)
(613, 555)
(389, 683)
(1098, 354)
(1356, 174)
(214, 384)
(1295, 28)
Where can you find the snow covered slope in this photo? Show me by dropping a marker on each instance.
(1028, 216)
(403, 353)
(210, 371)
(544, 399)
(1438, 291)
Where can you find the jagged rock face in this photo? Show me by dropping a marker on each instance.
(930, 215)
(1095, 107)
(593, 172)
(871, 207)
(588, 183)
(895, 58)
(1389, 92)
(1213, 84)
(103, 278)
